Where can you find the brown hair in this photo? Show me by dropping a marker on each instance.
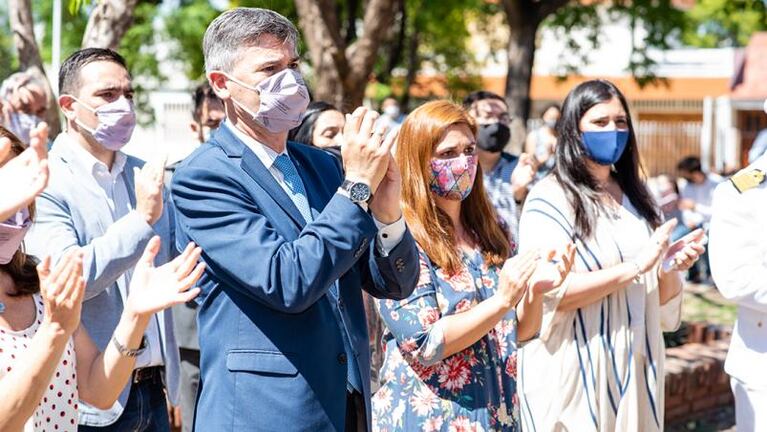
(22, 268)
(419, 135)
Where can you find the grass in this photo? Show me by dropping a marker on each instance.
(704, 303)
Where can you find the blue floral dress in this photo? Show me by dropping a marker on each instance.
(421, 389)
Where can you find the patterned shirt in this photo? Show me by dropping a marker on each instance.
(498, 187)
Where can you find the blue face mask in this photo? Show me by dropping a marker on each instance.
(605, 147)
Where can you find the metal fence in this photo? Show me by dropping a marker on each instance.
(663, 144)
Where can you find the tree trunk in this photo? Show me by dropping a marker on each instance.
(20, 12)
(342, 71)
(523, 17)
(108, 23)
(413, 65)
(396, 46)
(350, 32)
(521, 54)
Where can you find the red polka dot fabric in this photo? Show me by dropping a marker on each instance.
(58, 407)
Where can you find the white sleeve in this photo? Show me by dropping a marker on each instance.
(736, 253)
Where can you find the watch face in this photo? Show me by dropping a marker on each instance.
(359, 192)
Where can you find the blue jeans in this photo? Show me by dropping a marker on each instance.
(145, 411)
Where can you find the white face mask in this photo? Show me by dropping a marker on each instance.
(392, 111)
(283, 100)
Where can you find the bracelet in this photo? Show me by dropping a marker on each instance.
(124, 351)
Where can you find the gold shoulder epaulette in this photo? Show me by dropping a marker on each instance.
(747, 179)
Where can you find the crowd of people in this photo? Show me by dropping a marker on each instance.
(300, 250)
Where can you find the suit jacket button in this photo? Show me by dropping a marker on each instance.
(340, 304)
(759, 324)
(342, 358)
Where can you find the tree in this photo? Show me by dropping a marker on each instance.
(341, 67)
(8, 61)
(186, 26)
(432, 33)
(20, 12)
(108, 22)
(724, 23)
(659, 21)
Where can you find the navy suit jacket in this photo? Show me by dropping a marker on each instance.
(272, 355)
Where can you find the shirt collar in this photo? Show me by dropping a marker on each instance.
(264, 153)
(88, 163)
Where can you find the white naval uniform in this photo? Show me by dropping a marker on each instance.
(738, 255)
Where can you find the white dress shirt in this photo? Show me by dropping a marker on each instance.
(116, 194)
(702, 194)
(389, 236)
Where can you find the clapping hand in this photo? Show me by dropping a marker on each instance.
(26, 175)
(385, 204)
(153, 289)
(523, 175)
(366, 154)
(149, 186)
(655, 247)
(684, 252)
(551, 272)
(62, 290)
(514, 277)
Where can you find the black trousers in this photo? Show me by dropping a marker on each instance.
(356, 420)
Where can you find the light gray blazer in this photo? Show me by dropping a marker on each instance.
(72, 213)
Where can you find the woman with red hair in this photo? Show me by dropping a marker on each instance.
(451, 346)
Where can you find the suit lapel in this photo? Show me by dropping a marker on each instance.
(130, 182)
(258, 172)
(96, 201)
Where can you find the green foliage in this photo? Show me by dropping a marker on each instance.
(8, 60)
(572, 19)
(73, 22)
(657, 21)
(724, 23)
(442, 31)
(138, 46)
(185, 26)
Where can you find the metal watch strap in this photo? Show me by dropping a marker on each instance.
(129, 352)
(347, 185)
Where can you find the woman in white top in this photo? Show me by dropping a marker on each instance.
(598, 363)
(47, 361)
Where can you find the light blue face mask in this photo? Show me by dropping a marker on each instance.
(605, 147)
(21, 124)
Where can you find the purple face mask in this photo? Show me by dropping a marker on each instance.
(453, 178)
(12, 233)
(116, 122)
(283, 100)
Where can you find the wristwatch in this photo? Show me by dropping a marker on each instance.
(358, 192)
(129, 352)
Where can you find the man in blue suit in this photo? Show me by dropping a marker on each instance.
(289, 243)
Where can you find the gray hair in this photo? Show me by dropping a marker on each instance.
(18, 80)
(240, 28)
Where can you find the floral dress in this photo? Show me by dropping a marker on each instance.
(421, 388)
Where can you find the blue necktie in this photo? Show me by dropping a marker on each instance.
(296, 186)
(298, 195)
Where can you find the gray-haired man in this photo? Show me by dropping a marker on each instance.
(289, 243)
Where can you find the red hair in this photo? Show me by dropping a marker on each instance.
(419, 135)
